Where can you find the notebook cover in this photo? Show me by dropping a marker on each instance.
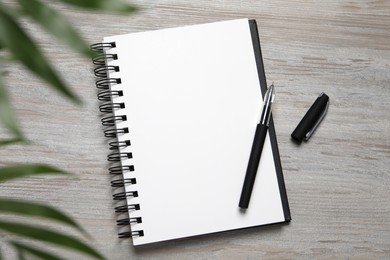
(274, 143)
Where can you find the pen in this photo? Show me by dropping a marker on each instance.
(257, 148)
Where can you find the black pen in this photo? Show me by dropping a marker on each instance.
(257, 148)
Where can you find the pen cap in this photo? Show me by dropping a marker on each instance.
(312, 118)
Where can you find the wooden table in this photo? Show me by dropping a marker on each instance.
(337, 183)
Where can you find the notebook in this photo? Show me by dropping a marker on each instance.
(183, 105)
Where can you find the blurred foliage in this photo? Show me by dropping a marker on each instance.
(16, 43)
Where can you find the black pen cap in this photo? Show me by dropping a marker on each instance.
(311, 120)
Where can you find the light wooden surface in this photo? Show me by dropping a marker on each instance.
(337, 183)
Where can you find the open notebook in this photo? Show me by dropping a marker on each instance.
(185, 104)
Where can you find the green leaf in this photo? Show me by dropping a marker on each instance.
(107, 5)
(22, 248)
(12, 141)
(13, 37)
(56, 24)
(7, 116)
(19, 171)
(49, 236)
(37, 210)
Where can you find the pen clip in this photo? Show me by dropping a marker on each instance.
(308, 134)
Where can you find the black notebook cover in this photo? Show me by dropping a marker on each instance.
(274, 143)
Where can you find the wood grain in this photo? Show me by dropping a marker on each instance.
(337, 183)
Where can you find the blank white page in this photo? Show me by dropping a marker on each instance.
(192, 100)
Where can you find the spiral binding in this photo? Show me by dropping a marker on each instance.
(105, 96)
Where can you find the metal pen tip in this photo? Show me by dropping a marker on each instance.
(267, 102)
(270, 95)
